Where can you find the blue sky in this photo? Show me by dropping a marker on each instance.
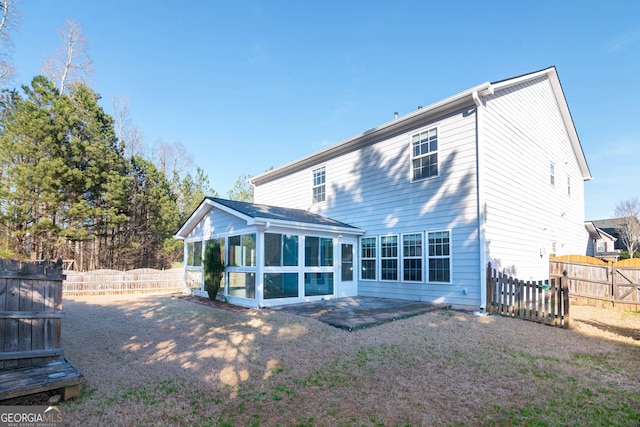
(246, 85)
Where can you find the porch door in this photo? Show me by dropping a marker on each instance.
(347, 280)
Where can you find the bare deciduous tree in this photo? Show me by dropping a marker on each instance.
(72, 63)
(8, 20)
(629, 230)
(130, 136)
(173, 160)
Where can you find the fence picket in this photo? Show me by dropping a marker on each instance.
(111, 281)
(542, 302)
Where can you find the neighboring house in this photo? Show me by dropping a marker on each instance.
(601, 243)
(493, 174)
(612, 227)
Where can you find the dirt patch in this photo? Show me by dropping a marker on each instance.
(170, 360)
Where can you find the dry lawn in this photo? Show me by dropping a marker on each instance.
(159, 360)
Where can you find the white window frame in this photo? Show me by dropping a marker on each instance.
(320, 169)
(435, 152)
(412, 257)
(376, 249)
(383, 258)
(429, 257)
(552, 173)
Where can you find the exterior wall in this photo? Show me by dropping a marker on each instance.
(522, 133)
(370, 188)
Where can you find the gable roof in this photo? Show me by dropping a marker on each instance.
(265, 215)
(448, 104)
(612, 226)
(596, 232)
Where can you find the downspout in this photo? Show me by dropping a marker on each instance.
(480, 199)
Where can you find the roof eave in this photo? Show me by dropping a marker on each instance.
(308, 226)
(319, 156)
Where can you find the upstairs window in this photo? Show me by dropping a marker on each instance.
(319, 177)
(552, 173)
(424, 154)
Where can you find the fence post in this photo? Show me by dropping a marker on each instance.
(489, 283)
(564, 281)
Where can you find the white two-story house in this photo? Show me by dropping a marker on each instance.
(414, 208)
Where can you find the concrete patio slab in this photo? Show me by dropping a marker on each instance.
(360, 312)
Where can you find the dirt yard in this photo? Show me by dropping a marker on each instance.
(163, 360)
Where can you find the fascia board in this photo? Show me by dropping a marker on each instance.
(205, 206)
(308, 227)
(194, 218)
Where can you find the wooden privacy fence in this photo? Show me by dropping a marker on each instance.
(118, 282)
(542, 301)
(31, 354)
(600, 283)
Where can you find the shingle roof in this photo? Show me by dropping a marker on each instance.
(253, 210)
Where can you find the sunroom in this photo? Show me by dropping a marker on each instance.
(273, 255)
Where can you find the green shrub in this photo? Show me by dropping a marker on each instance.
(213, 268)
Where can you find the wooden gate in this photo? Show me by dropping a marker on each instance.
(539, 301)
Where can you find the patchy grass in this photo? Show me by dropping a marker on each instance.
(158, 360)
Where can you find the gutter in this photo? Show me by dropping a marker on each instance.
(482, 220)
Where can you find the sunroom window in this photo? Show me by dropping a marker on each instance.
(280, 250)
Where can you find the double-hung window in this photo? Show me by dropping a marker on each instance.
(389, 257)
(368, 258)
(424, 154)
(439, 256)
(319, 188)
(412, 257)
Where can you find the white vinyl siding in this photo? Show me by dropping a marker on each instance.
(371, 188)
(525, 134)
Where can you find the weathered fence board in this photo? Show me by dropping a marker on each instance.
(30, 330)
(543, 301)
(596, 282)
(117, 282)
